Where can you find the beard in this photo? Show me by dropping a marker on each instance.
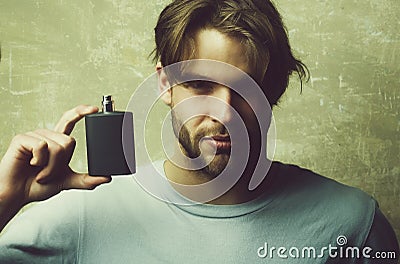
(190, 145)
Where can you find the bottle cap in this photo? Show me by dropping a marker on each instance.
(107, 103)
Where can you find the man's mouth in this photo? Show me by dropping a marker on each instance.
(221, 138)
(222, 143)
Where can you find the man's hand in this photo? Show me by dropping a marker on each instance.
(35, 166)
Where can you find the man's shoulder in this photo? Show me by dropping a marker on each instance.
(306, 180)
(326, 204)
(309, 188)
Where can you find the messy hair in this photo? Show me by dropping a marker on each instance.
(255, 23)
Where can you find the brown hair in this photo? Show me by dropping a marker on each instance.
(256, 23)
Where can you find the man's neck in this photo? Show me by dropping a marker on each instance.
(239, 193)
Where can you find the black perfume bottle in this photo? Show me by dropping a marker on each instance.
(110, 141)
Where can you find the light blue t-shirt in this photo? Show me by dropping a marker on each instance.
(121, 223)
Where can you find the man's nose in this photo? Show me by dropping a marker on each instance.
(222, 109)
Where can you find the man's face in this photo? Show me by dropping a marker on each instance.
(202, 110)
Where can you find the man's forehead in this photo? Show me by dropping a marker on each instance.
(214, 71)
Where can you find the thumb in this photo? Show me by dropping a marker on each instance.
(84, 181)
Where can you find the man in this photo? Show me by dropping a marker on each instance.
(288, 215)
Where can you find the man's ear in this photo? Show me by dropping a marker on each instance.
(163, 84)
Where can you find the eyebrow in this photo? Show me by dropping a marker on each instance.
(191, 76)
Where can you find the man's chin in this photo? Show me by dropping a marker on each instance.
(217, 165)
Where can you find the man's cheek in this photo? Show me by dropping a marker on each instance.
(191, 107)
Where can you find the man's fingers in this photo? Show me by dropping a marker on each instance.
(24, 147)
(55, 157)
(84, 181)
(60, 150)
(67, 142)
(71, 117)
(40, 154)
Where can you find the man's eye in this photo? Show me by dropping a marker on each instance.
(199, 85)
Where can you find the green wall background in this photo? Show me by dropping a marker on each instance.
(345, 124)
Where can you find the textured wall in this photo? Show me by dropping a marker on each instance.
(345, 124)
